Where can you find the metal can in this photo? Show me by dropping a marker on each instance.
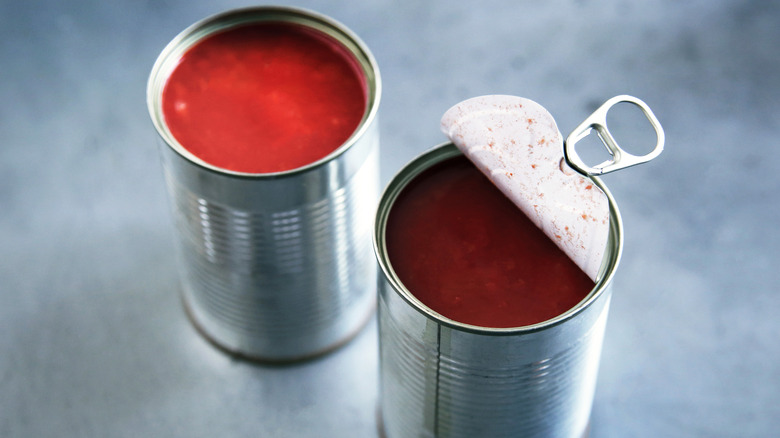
(275, 266)
(441, 378)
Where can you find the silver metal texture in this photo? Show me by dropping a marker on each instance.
(620, 159)
(441, 378)
(275, 266)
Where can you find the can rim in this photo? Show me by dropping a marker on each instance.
(448, 150)
(170, 55)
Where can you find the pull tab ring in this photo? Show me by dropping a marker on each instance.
(620, 158)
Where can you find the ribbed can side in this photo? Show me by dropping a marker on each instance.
(438, 382)
(409, 365)
(279, 284)
(499, 390)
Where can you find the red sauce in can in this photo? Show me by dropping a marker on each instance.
(264, 97)
(467, 252)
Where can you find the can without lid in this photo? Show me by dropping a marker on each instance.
(274, 266)
(442, 378)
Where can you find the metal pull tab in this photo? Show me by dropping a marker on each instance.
(620, 158)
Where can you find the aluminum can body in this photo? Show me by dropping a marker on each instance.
(275, 266)
(442, 378)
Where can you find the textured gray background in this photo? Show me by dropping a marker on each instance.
(93, 341)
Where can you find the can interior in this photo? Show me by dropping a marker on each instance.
(448, 150)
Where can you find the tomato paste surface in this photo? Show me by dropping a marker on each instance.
(467, 252)
(264, 97)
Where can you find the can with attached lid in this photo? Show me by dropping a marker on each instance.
(443, 378)
(275, 262)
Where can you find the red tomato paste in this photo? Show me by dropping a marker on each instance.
(264, 97)
(467, 252)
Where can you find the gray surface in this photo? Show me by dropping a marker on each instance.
(93, 341)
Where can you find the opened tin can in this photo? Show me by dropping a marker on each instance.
(443, 378)
(275, 265)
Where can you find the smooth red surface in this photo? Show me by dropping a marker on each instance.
(466, 251)
(264, 97)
